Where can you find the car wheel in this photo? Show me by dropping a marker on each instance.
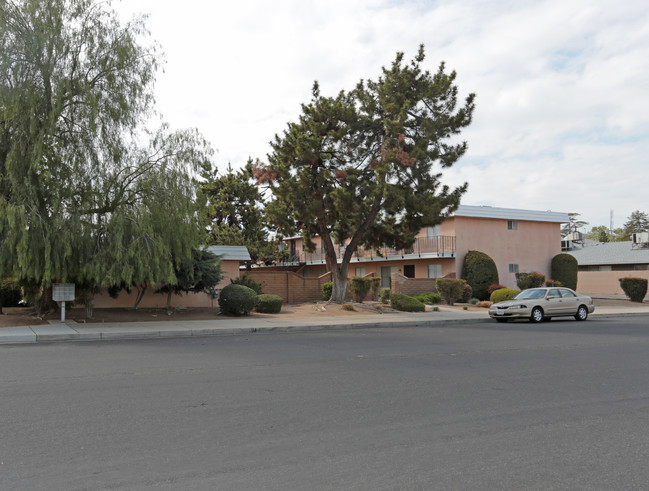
(537, 315)
(582, 313)
(501, 320)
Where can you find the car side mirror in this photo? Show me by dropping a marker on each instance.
(550, 297)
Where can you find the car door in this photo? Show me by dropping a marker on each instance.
(553, 302)
(569, 300)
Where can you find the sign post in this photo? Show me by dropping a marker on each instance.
(63, 292)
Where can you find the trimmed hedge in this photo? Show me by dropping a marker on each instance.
(634, 288)
(237, 300)
(399, 301)
(564, 269)
(503, 294)
(479, 271)
(428, 298)
(450, 289)
(385, 295)
(530, 280)
(360, 287)
(246, 280)
(327, 288)
(269, 304)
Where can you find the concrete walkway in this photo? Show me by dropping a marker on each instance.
(72, 331)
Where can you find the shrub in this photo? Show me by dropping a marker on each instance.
(479, 271)
(11, 293)
(237, 300)
(634, 288)
(553, 283)
(327, 288)
(428, 298)
(375, 288)
(529, 280)
(348, 307)
(360, 287)
(467, 293)
(269, 304)
(493, 287)
(474, 301)
(385, 295)
(564, 269)
(450, 289)
(484, 304)
(246, 280)
(402, 302)
(503, 294)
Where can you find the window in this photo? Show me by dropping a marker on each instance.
(566, 293)
(434, 270)
(513, 268)
(360, 272)
(433, 231)
(512, 225)
(409, 270)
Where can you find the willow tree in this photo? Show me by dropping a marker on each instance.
(80, 198)
(363, 167)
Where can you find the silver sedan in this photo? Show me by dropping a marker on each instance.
(541, 304)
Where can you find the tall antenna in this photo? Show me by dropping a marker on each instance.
(611, 226)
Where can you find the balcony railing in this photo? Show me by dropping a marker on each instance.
(441, 245)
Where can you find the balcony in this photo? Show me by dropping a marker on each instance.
(439, 246)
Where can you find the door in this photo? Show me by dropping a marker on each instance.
(569, 301)
(409, 270)
(553, 303)
(386, 271)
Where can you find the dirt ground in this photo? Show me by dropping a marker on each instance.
(25, 316)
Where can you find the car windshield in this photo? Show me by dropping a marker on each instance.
(530, 294)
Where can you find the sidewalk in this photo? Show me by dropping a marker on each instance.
(72, 331)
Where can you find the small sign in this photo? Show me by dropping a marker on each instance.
(63, 292)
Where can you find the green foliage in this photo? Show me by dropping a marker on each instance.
(10, 293)
(529, 280)
(237, 300)
(269, 304)
(493, 287)
(565, 269)
(450, 289)
(479, 271)
(80, 199)
(503, 294)
(360, 287)
(385, 141)
(375, 288)
(573, 225)
(467, 293)
(246, 280)
(634, 288)
(399, 301)
(638, 221)
(428, 298)
(326, 290)
(385, 295)
(551, 283)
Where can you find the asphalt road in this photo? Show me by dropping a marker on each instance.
(562, 405)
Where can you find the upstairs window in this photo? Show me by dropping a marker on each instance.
(513, 268)
(512, 225)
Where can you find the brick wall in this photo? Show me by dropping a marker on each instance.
(412, 286)
(292, 287)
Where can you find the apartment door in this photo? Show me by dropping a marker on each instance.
(386, 271)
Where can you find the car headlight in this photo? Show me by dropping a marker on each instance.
(516, 307)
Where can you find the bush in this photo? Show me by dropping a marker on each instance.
(503, 294)
(479, 271)
(564, 269)
(360, 287)
(348, 307)
(246, 280)
(385, 295)
(269, 304)
(450, 289)
(493, 287)
(551, 283)
(11, 293)
(474, 301)
(402, 302)
(529, 280)
(467, 293)
(327, 288)
(634, 288)
(375, 288)
(484, 304)
(237, 300)
(428, 298)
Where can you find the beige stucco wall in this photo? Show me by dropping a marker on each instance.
(605, 282)
(421, 266)
(230, 270)
(532, 246)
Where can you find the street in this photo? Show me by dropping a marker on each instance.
(563, 404)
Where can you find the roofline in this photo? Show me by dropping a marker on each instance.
(511, 214)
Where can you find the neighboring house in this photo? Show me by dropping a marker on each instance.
(231, 258)
(602, 264)
(517, 240)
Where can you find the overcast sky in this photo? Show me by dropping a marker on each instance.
(562, 109)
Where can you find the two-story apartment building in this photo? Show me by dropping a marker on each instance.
(517, 240)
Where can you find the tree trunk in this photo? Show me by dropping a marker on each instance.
(339, 278)
(140, 295)
(46, 303)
